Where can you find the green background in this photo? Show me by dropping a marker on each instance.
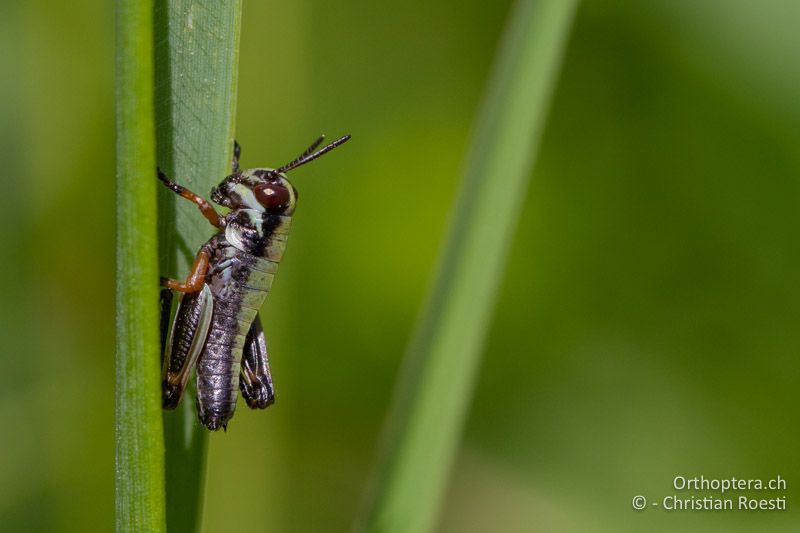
(646, 327)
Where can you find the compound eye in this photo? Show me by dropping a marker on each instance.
(272, 195)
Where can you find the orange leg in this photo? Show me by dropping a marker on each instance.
(194, 282)
(205, 208)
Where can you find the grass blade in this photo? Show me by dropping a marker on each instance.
(139, 438)
(197, 46)
(435, 387)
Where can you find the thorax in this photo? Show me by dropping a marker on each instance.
(257, 232)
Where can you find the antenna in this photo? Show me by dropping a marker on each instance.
(307, 156)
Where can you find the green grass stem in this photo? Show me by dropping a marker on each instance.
(436, 383)
(139, 433)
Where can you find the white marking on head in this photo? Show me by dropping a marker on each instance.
(247, 198)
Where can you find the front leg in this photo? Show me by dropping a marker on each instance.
(197, 277)
(207, 209)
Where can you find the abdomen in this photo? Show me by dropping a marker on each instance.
(239, 283)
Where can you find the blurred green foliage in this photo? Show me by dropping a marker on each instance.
(646, 327)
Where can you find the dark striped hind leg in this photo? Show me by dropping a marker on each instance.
(186, 339)
(166, 311)
(255, 379)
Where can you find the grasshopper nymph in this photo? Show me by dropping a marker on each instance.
(216, 326)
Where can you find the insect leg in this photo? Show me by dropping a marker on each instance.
(186, 342)
(197, 277)
(255, 379)
(207, 209)
(237, 151)
(166, 307)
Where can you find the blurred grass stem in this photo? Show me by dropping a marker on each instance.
(436, 383)
(139, 432)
